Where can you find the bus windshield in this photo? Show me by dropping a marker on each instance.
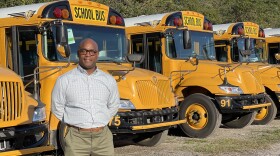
(111, 42)
(257, 48)
(202, 45)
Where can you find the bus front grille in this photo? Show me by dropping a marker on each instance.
(155, 94)
(10, 101)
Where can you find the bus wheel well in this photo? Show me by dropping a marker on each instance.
(273, 97)
(195, 89)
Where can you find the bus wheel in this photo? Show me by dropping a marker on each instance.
(63, 128)
(201, 114)
(240, 121)
(151, 139)
(266, 114)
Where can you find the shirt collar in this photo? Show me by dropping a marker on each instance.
(83, 71)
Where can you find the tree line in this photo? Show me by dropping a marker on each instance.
(263, 12)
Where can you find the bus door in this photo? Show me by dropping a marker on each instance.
(149, 46)
(273, 48)
(21, 49)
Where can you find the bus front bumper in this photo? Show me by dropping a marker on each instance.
(145, 120)
(23, 137)
(242, 103)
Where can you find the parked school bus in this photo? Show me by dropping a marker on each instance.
(41, 41)
(242, 44)
(22, 116)
(272, 38)
(210, 92)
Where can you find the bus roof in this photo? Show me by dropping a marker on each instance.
(219, 27)
(19, 10)
(269, 32)
(143, 18)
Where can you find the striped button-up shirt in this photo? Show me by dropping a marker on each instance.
(83, 100)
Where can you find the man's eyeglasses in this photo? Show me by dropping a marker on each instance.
(85, 51)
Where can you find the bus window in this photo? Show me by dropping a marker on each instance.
(154, 54)
(138, 47)
(273, 48)
(221, 51)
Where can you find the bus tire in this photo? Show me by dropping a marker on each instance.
(61, 134)
(267, 114)
(151, 139)
(240, 121)
(201, 114)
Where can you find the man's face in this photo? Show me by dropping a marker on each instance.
(88, 55)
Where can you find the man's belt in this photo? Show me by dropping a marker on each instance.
(96, 129)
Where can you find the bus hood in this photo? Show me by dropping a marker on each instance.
(145, 89)
(211, 74)
(270, 75)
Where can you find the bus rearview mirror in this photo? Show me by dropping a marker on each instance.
(135, 58)
(62, 41)
(187, 39)
(247, 43)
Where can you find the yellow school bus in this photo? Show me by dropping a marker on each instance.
(272, 38)
(39, 43)
(22, 116)
(243, 43)
(210, 92)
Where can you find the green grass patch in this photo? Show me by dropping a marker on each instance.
(253, 141)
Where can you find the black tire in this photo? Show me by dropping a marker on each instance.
(61, 135)
(267, 114)
(240, 121)
(151, 139)
(201, 114)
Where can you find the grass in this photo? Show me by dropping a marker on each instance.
(253, 141)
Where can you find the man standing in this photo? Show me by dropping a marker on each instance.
(86, 98)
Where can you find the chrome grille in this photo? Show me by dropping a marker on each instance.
(10, 101)
(155, 94)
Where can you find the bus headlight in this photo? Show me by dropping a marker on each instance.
(126, 104)
(278, 85)
(231, 89)
(39, 114)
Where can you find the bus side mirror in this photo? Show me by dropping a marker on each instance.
(277, 56)
(135, 58)
(62, 41)
(187, 39)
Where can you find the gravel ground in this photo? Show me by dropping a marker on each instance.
(252, 140)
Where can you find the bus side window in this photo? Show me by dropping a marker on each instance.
(138, 48)
(28, 50)
(154, 54)
(221, 54)
(8, 46)
(273, 48)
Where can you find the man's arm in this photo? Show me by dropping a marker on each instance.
(58, 99)
(114, 100)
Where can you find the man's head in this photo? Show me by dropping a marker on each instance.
(88, 54)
